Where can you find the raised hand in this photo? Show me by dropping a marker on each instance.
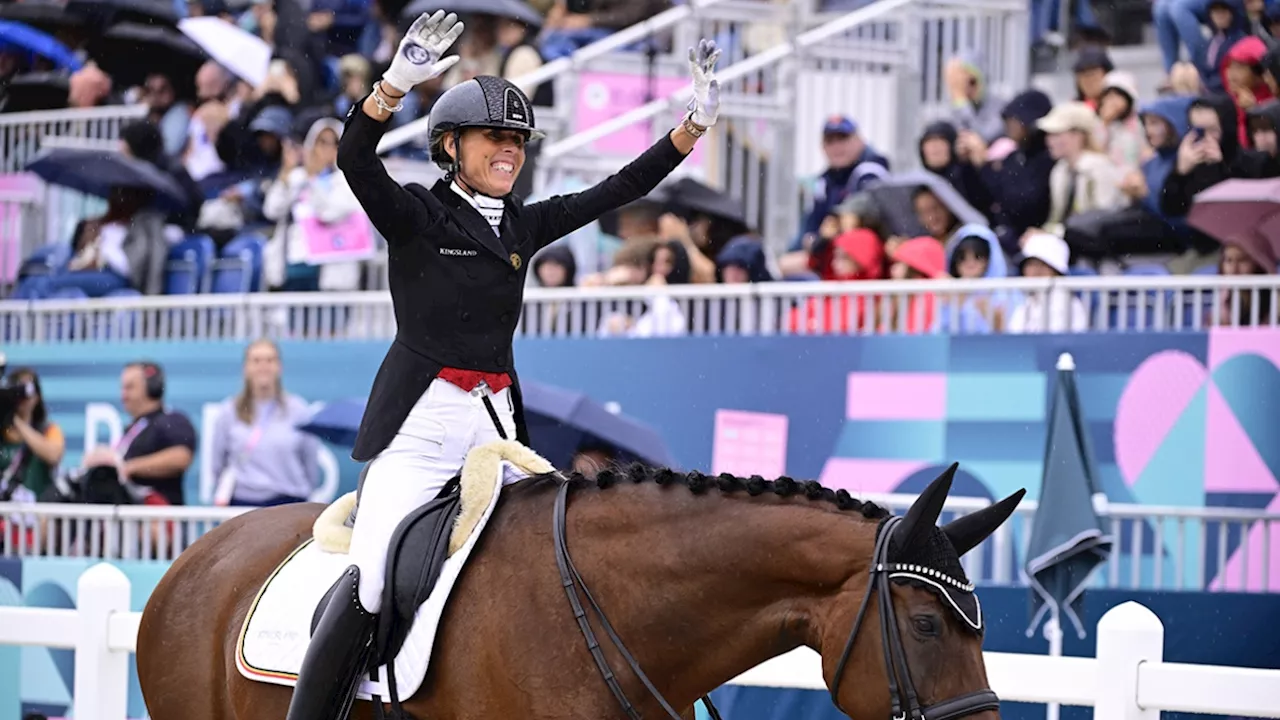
(705, 103)
(418, 58)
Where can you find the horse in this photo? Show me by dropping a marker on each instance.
(703, 577)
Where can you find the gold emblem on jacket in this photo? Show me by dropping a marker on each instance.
(515, 260)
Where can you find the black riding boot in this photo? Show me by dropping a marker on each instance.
(340, 652)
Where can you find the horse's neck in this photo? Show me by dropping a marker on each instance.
(703, 588)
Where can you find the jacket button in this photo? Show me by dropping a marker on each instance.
(505, 318)
(500, 361)
(466, 317)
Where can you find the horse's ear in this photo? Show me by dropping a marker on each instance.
(966, 532)
(924, 512)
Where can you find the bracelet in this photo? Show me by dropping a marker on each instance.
(378, 93)
(691, 127)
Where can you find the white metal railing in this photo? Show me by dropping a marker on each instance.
(22, 134)
(1126, 680)
(1196, 543)
(1111, 304)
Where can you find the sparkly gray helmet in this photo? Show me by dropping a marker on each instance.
(482, 102)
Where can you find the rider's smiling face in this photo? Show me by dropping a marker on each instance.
(491, 159)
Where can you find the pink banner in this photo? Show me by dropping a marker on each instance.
(749, 443)
(13, 188)
(604, 96)
(351, 238)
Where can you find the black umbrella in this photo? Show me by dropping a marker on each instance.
(35, 91)
(1067, 539)
(562, 421)
(105, 13)
(97, 172)
(129, 52)
(514, 9)
(51, 17)
(894, 196)
(690, 195)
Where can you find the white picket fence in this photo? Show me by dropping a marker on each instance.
(1128, 680)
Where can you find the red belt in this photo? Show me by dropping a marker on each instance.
(470, 379)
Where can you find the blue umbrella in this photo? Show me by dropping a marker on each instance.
(336, 422)
(560, 422)
(24, 38)
(96, 172)
(1067, 539)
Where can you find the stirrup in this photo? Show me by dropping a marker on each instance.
(339, 654)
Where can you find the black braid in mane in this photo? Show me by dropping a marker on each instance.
(726, 483)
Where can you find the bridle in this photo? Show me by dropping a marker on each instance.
(905, 704)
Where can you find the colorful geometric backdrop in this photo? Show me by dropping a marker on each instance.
(1181, 419)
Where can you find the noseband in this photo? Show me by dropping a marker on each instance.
(905, 704)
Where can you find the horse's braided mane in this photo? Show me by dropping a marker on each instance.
(699, 483)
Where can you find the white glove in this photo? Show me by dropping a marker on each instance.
(705, 103)
(418, 58)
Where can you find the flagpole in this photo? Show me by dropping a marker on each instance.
(1053, 633)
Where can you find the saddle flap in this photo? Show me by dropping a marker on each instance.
(419, 546)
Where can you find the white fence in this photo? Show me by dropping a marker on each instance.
(1128, 680)
(1111, 304)
(1223, 548)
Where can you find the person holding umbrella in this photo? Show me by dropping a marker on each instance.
(459, 255)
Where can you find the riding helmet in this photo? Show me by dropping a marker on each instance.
(482, 102)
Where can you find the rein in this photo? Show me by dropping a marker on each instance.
(572, 580)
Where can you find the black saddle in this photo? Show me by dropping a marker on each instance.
(418, 549)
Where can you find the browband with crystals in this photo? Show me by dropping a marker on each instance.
(903, 568)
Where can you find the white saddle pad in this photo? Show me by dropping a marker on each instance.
(276, 632)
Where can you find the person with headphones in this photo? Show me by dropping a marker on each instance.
(159, 443)
(458, 258)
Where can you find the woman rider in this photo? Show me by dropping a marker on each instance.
(458, 257)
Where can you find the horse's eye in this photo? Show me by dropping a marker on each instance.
(925, 625)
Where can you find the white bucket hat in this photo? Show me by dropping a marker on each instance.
(1048, 249)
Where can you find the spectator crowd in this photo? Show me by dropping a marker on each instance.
(259, 454)
(1101, 182)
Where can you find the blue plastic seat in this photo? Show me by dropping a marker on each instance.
(1147, 269)
(239, 270)
(45, 260)
(188, 267)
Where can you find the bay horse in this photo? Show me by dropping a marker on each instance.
(703, 577)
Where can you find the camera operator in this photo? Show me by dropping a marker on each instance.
(158, 445)
(31, 447)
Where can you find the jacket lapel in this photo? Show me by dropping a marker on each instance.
(471, 220)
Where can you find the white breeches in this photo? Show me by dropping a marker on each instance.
(429, 449)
